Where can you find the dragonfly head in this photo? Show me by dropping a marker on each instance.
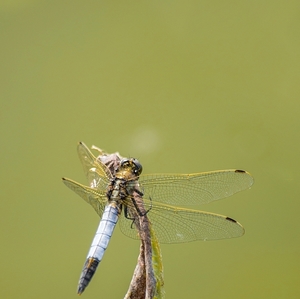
(132, 165)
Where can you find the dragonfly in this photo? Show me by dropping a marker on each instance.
(120, 193)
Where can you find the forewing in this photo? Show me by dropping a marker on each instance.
(177, 225)
(89, 161)
(96, 198)
(96, 180)
(194, 189)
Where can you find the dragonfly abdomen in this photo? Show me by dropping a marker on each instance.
(99, 245)
(87, 273)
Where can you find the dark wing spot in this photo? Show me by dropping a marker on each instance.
(240, 171)
(230, 219)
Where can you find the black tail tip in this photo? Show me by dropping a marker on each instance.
(80, 290)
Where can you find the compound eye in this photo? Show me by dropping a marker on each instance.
(138, 167)
(124, 162)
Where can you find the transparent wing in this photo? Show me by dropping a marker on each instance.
(191, 189)
(177, 225)
(96, 198)
(89, 161)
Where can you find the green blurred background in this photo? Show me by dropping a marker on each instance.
(185, 86)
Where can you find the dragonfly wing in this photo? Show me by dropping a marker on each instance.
(96, 180)
(177, 225)
(89, 161)
(198, 188)
(127, 228)
(96, 198)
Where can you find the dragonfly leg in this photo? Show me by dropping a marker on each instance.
(150, 205)
(140, 193)
(127, 214)
(138, 209)
(134, 219)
